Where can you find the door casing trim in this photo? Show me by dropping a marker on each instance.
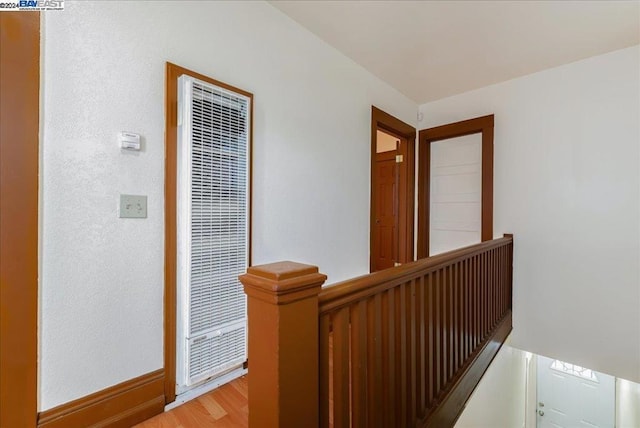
(19, 189)
(406, 193)
(483, 125)
(173, 72)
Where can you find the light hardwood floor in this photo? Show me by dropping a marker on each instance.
(226, 406)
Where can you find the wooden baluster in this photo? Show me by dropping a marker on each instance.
(478, 296)
(492, 298)
(482, 306)
(431, 338)
(464, 287)
(401, 361)
(325, 369)
(359, 363)
(472, 301)
(454, 320)
(341, 377)
(502, 282)
(496, 287)
(499, 283)
(481, 302)
(467, 305)
(500, 286)
(444, 327)
(283, 344)
(375, 388)
(390, 353)
(461, 329)
(448, 325)
(498, 274)
(506, 278)
(421, 372)
(510, 276)
(437, 328)
(507, 284)
(492, 274)
(485, 297)
(412, 331)
(489, 291)
(451, 324)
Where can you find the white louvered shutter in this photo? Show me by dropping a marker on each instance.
(213, 225)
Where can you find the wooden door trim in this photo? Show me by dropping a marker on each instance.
(406, 189)
(483, 125)
(173, 72)
(19, 154)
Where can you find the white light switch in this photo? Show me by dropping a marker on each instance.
(133, 206)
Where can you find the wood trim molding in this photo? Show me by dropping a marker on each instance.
(170, 228)
(446, 413)
(483, 125)
(384, 121)
(122, 405)
(173, 72)
(19, 152)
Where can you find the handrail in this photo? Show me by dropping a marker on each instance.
(346, 292)
(401, 347)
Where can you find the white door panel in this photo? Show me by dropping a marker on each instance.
(572, 397)
(455, 193)
(458, 212)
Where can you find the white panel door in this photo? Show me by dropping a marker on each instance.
(455, 193)
(573, 397)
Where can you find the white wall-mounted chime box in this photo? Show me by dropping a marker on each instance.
(129, 140)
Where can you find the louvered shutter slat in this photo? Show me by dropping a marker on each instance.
(213, 228)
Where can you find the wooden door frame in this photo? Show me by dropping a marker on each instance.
(19, 157)
(173, 72)
(406, 194)
(482, 125)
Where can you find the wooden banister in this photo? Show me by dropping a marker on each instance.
(400, 347)
(341, 293)
(283, 344)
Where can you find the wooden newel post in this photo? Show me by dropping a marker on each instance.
(283, 344)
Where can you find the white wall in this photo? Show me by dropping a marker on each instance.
(567, 185)
(103, 65)
(627, 404)
(500, 398)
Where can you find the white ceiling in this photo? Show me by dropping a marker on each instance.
(433, 49)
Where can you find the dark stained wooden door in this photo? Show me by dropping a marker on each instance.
(385, 239)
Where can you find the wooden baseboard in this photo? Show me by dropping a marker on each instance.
(447, 412)
(122, 405)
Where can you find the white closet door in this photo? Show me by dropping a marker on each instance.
(213, 225)
(456, 193)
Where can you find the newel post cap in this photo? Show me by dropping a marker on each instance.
(282, 282)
